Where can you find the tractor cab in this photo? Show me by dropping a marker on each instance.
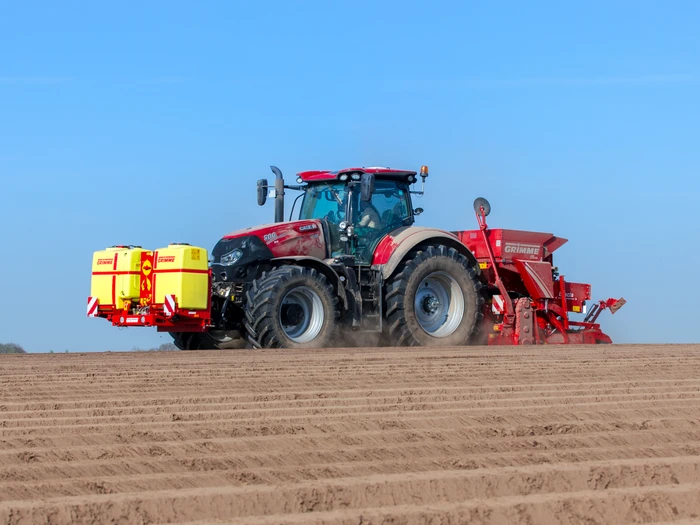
(358, 206)
(355, 226)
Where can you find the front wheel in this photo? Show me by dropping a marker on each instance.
(291, 307)
(212, 340)
(434, 299)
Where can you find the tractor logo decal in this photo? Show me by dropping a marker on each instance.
(307, 227)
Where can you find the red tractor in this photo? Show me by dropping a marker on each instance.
(354, 268)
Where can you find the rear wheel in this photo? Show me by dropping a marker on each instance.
(434, 299)
(291, 307)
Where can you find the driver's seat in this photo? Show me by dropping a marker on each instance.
(392, 218)
(387, 217)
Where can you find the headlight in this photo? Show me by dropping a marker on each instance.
(231, 258)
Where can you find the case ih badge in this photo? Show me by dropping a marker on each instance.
(355, 261)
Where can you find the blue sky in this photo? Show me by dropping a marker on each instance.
(149, 123)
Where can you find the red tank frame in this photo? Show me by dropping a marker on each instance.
(519, 263)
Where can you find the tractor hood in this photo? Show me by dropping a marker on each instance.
(285, 239)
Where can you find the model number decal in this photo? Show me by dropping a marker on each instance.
(268, 238)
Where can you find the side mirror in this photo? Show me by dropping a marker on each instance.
(367, 187)
(262, 192)
(418, 211)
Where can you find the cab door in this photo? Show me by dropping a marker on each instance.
(388, 210)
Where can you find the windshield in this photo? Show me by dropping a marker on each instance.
(325, 201)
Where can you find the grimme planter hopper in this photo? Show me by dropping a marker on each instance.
(353, 261)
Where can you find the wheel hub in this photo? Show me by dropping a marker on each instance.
(439, 304)
(431, 304)
(292, 314)
(301, 314)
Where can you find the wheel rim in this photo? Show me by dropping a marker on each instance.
(301, 315)
(439, 304)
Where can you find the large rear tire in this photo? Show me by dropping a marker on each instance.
(434, 299)
(291, 307)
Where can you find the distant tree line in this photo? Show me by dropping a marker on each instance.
(11, 348)
(165, 347)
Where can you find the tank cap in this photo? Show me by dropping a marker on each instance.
(179, 244)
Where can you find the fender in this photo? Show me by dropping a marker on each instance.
(321, 266)
(393, 248)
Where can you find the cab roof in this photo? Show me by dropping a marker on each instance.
(379, 172)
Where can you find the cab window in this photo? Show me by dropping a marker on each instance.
(325, 201)
(387, 211)
(391, 204)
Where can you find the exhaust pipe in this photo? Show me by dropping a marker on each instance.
(279, 194)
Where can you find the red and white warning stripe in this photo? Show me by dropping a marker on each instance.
(498, 305)
(92, 307)
(169, 306)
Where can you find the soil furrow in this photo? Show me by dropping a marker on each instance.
(540, 435)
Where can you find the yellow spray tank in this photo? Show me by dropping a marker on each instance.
(183, 271)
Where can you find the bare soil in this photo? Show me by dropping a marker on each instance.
(607, 434)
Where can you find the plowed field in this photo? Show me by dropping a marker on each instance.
(547, 435)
